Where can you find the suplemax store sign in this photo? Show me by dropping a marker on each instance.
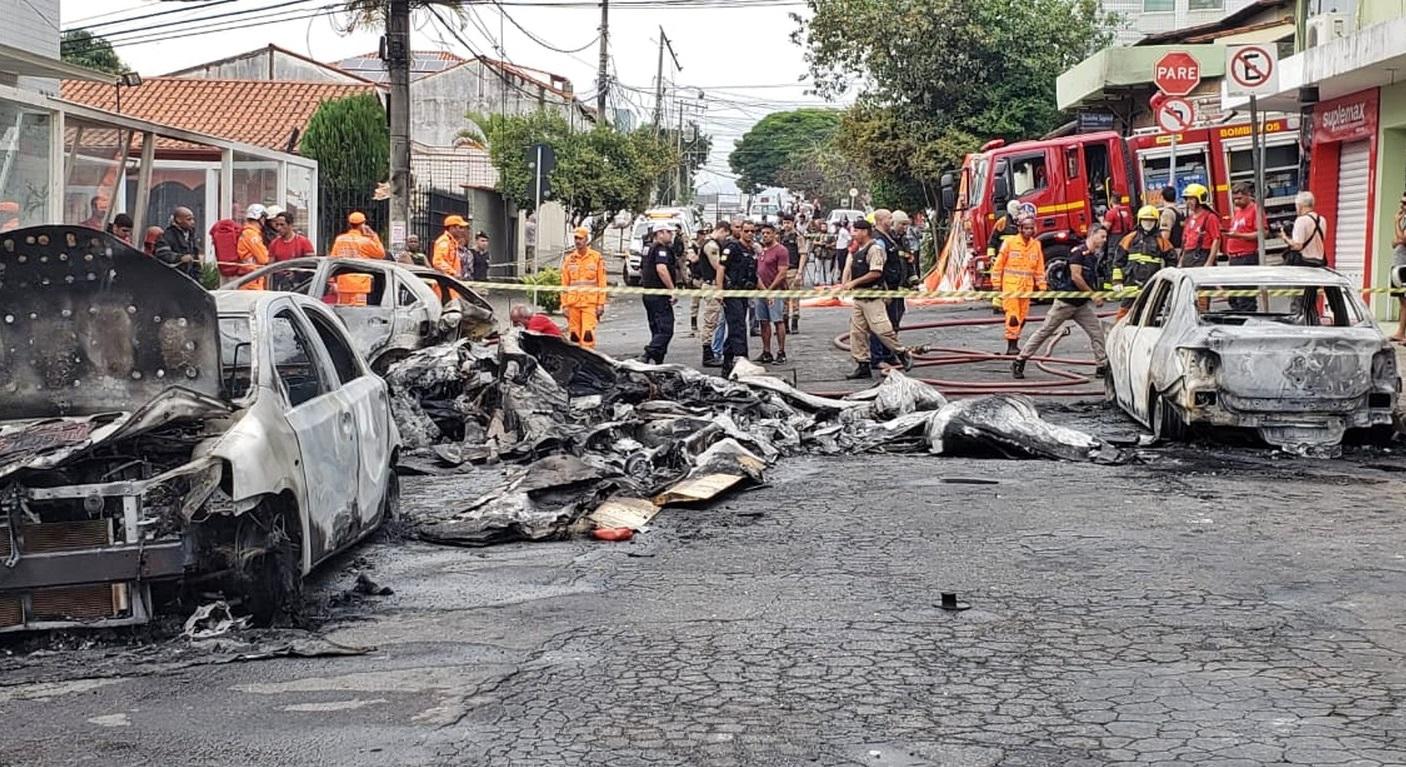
(1349, 118)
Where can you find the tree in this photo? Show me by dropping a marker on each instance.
(350, 141)
(942, 76)
(86, 50)
(598, 171)
(824, 174)
(760, 154)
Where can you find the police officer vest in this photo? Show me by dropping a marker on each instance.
(703, 267)
(739, 266)
(860, 263)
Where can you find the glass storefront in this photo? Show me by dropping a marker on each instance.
(25, 138)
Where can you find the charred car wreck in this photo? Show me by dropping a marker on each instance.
(1294, 356)
(406, 308)
(154, 435)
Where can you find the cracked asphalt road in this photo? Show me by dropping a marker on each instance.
(1210, 605)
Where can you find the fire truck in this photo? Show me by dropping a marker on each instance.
(1073, 181)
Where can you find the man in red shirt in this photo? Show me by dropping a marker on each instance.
(289, 244)
(772, 266)
(1200, 239)
(1242, 241)
(537, 322)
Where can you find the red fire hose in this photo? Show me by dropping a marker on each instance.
(940, 356)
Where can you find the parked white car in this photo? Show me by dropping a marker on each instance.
(158, 433)
(408, 308)
(1301, 367)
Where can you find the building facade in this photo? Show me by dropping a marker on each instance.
(1345, 76)
(1148, 17)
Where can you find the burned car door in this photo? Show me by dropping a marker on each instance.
(1142, 349)
(322, 418)
(371, 326)
(412, 310)
(370, 405)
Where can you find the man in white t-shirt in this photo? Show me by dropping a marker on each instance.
(1309, 232)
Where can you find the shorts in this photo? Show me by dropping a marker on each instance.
(769, 309)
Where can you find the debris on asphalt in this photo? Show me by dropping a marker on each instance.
(592, 442)
(950, 602)
(612, 533)
(212, 620)
(367, 587)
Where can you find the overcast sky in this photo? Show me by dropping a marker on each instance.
(740, 57)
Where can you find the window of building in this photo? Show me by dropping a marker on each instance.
(1205, 5)
(1158, 6)
(24, 155)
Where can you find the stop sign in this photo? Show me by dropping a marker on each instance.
(1177, 73)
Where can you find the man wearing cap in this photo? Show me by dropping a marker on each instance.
(359, 241)
(582, 268)
(865, 270)
(412, 253)
(657, 271)
(251, 252)
(448, 253)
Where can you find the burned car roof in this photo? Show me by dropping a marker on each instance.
(90, 324)
(1209, 276)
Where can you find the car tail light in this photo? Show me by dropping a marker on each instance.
(1384, 368)
(1199, 364)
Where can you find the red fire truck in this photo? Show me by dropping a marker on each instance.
(1074, 180)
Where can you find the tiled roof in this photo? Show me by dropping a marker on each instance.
(258, 112)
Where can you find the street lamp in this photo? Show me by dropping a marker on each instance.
(128, 80)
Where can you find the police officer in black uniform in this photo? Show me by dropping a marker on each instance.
(739, 262)
(657, 271)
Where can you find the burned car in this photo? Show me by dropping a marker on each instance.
(407, 308)
(155, 436)
(1294, 356)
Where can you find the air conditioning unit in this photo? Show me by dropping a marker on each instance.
(1324, 28)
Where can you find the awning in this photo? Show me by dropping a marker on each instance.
(22, 63)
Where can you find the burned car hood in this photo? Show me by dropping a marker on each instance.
(90, 325)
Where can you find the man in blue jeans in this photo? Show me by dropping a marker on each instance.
(772, 266)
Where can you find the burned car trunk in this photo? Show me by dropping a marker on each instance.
(108, 386)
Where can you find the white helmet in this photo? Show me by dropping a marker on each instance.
(255, 211)
(1013, 208)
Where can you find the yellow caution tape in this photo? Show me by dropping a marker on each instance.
(861, 293)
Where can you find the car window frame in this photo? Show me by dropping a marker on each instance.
(1162, 293)
(313, 344)
(358, 364)
(349, 266)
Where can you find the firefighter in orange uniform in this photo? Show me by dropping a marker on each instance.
(444, 257)
(1020, 266)
(359, 241)
(251, 250)
(583, 267)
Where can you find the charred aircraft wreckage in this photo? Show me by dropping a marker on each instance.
(154, 435)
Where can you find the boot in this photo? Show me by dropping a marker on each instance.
(795, 323)
(709, 359)
(905, 358)
(1012, 348)
(1018, 368)
(861, 371)
(728, 362)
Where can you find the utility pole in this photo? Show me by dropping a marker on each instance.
(659, 87)
(603, 76)
(397, 56)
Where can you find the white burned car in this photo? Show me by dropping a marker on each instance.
(408, 307)
(153, 434)
(1299, 358)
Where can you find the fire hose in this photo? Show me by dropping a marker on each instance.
(942, 356)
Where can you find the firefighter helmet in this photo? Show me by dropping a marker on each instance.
(1148, 212)
(1196, 192)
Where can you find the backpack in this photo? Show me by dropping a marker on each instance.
(224, 238)
(1295, 257)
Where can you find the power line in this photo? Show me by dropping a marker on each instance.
(283, 6)
(507, 81)
(540, 41)
(328, 10)
(145, 16)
